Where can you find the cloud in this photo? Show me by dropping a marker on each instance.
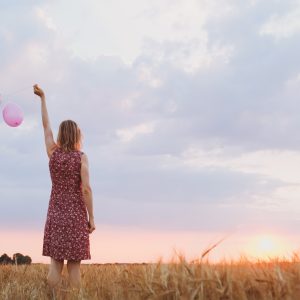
(283, 26)
(255, 162)
(128, 134)
(173, 30)
(189, 112)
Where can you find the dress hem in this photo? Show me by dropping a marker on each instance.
(60, 258)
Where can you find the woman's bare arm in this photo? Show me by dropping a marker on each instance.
(85, 185)
(49, 140)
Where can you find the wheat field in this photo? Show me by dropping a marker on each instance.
(177, 279)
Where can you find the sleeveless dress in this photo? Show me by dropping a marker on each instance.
(66, 231)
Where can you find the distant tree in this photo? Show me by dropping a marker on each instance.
(27, 260)
(20, 259)
(5, 259)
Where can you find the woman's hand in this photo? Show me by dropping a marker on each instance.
(91, 225)
(38, 91)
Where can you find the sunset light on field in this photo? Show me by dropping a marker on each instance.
(140, 245)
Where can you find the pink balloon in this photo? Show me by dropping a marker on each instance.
(12, 114)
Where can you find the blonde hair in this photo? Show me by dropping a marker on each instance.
(69, 136)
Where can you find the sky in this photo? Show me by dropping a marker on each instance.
(190, 116)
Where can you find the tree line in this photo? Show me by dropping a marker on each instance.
(18, 259)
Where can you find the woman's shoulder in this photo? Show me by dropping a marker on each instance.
(84, 158)
(52, 150)
(81, 153)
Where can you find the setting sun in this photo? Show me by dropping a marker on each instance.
(267, 246)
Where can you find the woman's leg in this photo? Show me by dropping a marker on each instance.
(74, 273)
(55, 270)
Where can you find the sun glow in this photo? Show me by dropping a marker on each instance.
(267, 246)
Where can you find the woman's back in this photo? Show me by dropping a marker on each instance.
(65, 169)
(66, 229)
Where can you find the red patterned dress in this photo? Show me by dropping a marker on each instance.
(66, 232)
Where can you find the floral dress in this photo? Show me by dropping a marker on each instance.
(66, 231)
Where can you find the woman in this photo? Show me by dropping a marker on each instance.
(67, 227)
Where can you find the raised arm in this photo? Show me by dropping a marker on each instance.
(49, 141)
